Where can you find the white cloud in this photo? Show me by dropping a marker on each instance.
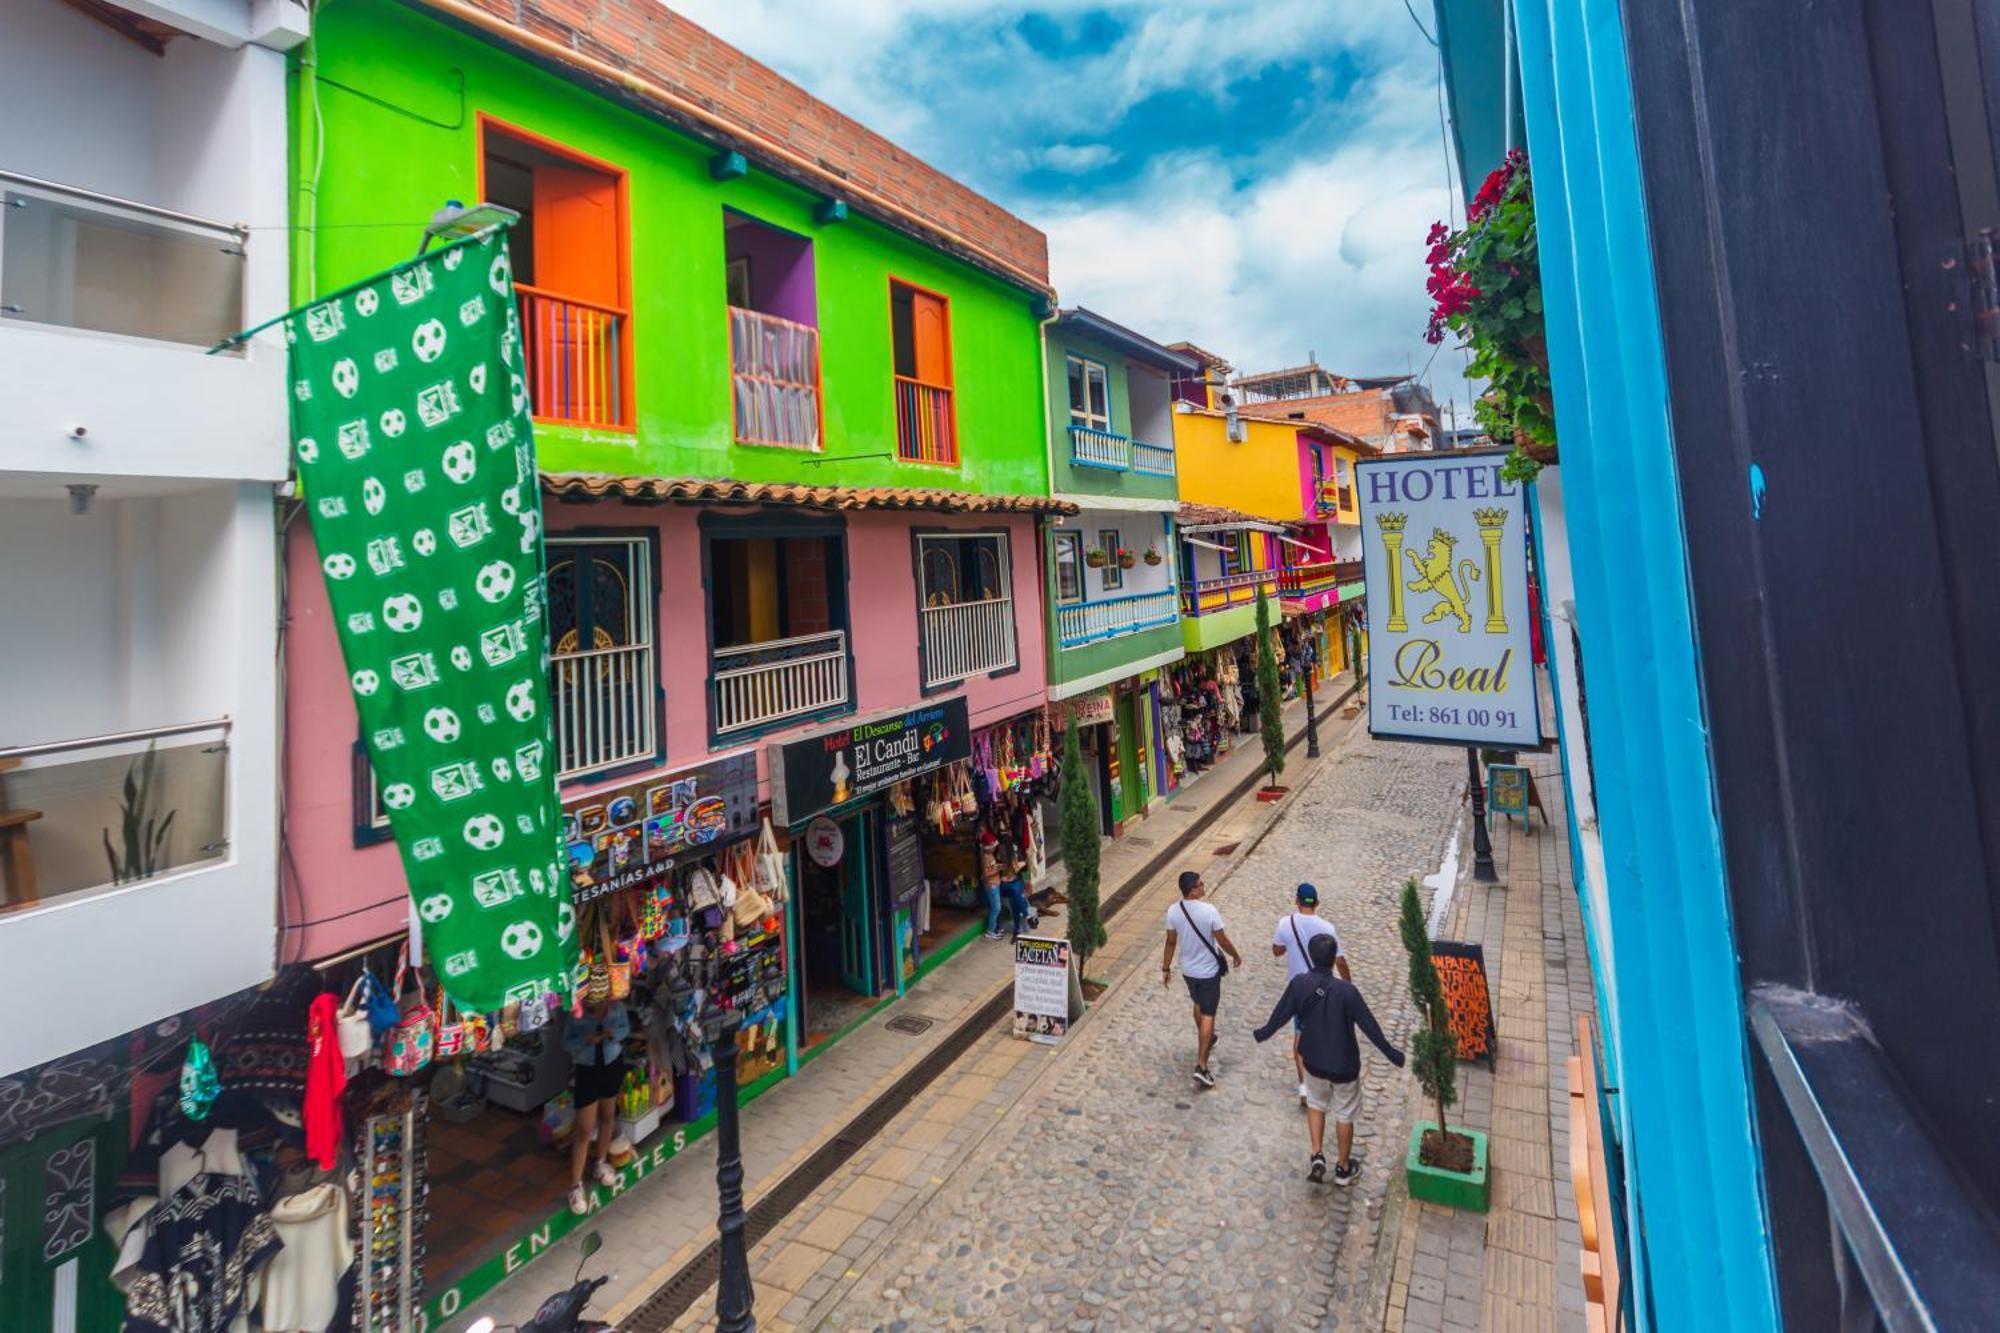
(1075, 158)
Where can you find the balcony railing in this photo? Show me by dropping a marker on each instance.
(756, 684)
(82, 816)
(1154, 460)
(925, 432)
(606, 708)
(774, 380)
(967, 638)
(1088, 622)
(1091, 447)
(1207, 596)
(1307, 579)
(78, 259)
(576, 358)
(1347, 571)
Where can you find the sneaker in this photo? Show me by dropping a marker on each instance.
(1203, 1077)
(1317, 1173)
(601, 1171)
(1346, 1173)
(993, 935)
(577, 1203)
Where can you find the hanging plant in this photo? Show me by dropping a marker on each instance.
(1486, 287)
(1126, 559)
(1152, 555)
(1094, 557)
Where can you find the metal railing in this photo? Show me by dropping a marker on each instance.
(1091, 447)
(1346, 571)
(111, 809)
(80, 259)
(925, 432)
(575, 356)
(1155, 460)
(967, 638)
(1206, 596)
(1087, 622)
(774, 379)
(755, 684)
(1307, 579)
(605, 707)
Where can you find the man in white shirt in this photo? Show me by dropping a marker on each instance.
(1290, 941)
(1195, 931)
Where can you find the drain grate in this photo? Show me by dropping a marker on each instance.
(912, 1025)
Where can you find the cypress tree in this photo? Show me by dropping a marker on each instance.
(1269, 722)
(1077, 826)
(1433, 1048)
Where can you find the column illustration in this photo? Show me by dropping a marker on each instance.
(1491, 521)
(1391, 526)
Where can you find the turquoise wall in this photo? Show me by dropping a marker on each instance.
(408, 140)
(1095, 480)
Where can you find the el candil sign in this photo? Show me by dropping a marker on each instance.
(1445, 550)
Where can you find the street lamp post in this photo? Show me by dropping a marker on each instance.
(734, 1295)
(1482, 845)
(1312, 722)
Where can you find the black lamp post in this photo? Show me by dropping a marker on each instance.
(1312, 722)
(1482, 846)
(734, 1296)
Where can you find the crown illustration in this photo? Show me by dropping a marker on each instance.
(1391, 522)
(1490, 518)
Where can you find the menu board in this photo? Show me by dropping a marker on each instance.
(906, 860)
(632, 836)
(1461, 971)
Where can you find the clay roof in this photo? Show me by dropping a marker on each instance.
(1194, 515)
(1207, 358)
(714, 490)
(647, 56)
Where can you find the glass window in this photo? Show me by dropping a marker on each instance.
(1069, 566)
(1107, 542)
(1089, 394)
(604, 681)
(962, 569)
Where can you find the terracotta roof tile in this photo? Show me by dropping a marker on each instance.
(714, 490)
(1192, 513)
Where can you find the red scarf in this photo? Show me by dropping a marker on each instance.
(326, 1079)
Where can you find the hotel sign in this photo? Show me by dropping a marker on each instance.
(812, 776)
(1445, 558)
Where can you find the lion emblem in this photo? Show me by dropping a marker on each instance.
(1435, 575)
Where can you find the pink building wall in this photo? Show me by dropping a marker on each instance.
(337, 895)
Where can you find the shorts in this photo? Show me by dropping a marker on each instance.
(594, 1083)
(1206, 992)
(1340, 1100)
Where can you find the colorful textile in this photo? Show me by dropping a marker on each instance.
(410, 425)
(206, 1245)
(326, 1079)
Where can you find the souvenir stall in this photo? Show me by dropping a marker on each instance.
(1201, 709)
(1007, 785)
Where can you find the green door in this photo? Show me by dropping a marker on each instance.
(857, 914)
(55, 1261)
(1131, 761)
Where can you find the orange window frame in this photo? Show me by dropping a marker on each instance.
(486, 125)
(950, 387)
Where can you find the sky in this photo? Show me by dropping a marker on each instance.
(1256, 176)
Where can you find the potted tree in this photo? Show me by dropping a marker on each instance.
(1270, 725)
(1444, 1165)
(1077, 828)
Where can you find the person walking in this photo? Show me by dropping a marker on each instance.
(1330, 1009)
(1294, 931)
(1195, 931)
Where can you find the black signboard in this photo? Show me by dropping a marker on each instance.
(906, 860)
(634, 835)
(812, 776)
(1461, 971)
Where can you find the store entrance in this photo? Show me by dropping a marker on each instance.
(839, 942)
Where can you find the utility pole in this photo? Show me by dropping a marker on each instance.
(1482, 845)
(734, 1296)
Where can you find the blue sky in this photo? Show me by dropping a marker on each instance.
(1254, 175)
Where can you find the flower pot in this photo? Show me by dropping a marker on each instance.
(1152, 557)
(1095, 559)
(1273, 793)
(1126, 562)
(1453, 1189)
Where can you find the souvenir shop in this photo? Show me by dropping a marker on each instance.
(883, 817)
(1096, 715)
(1202, 709)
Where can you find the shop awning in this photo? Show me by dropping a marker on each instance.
(1213, 546)
(720, 490)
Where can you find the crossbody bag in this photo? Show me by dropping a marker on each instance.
(1220, 962)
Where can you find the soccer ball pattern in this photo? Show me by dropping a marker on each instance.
(441, 343)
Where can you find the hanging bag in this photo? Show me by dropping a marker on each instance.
(617, 975)
(451, 1030)
(353, 1033)
(380, 1004)
(413, 1041)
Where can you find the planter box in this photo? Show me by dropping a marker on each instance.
(1434, 1184)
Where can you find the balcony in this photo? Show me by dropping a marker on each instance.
(968, 639)
(81, 817)
(1300, 581)
(1088, 622)
(774, 380)
(575, 352)
(1347, 571)
(1091, 447)
(1208, 596)
(756, 684)
(604, 708)
(925, 432)
(1152, 460)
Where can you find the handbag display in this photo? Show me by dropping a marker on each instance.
(617, 965)
(380, 1004)
(354, 1034)
(413, 1041)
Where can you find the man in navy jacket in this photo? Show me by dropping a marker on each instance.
(1329, 1010)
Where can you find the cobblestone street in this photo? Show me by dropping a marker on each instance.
(1095, 1186)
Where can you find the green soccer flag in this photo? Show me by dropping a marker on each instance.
(410, 422)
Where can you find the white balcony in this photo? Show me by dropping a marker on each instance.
(605, 707)
(968, 639)
(1107, 618)
(757, 684)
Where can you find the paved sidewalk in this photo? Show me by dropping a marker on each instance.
(1517, 1267)
(668, 1217)
(1090, 1186)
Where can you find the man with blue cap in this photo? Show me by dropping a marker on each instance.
(1295, 931)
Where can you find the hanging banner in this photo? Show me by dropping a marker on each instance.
(1444, 544)
(410, 425)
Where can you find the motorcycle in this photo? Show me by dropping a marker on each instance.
(562, 1312)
